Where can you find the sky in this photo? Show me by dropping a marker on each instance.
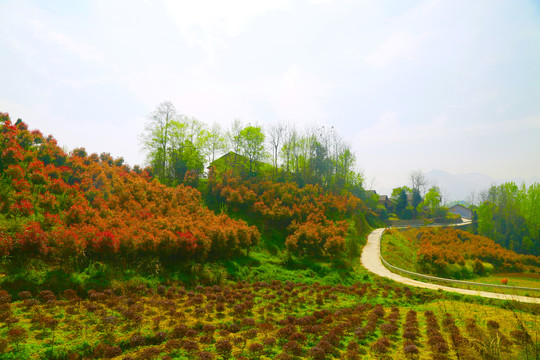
(409, 84)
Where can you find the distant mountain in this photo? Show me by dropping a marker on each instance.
(460, 186)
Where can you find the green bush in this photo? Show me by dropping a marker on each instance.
(467, 271)
(452, 271)
(456, 271)
(488, 268)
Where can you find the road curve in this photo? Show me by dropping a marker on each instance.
(371, 259)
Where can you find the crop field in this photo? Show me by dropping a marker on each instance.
(276, 320)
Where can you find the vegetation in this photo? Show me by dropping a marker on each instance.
(510, 215)
(177, 146)
(314, 222)
(64, 209)
(282, 320)
(409, 203)
(255, 261)
(65, 215)
(453, 253)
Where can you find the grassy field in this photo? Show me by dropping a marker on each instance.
(399, 251)
(514, 279)
(35, 275)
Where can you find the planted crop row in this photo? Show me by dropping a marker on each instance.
(241, 321)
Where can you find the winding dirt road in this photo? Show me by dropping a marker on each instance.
(371, 259)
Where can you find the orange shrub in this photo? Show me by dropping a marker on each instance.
(92, 205)
(451, 246)
(309, 216)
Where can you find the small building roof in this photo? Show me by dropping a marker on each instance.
(459, 206)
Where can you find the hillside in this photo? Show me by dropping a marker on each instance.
(102, 261)
(75, 212)
(61, 207)
(453, 253)
(314, 222)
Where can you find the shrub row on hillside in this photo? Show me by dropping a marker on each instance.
(312, 219)
(56, 206)
(460, 254)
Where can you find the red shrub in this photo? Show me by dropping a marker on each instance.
(32, 240)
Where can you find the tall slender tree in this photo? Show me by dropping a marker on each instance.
(156, 138)
(276, 136)
(234, 140)
(252, 140)
(216, 142)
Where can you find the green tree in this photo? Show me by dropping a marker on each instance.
(276, 136)
(235, 140)
(397, 192)
(252, 141)
(216, 142)
(529, 204)
(344, 174)
(289, 151)
(401, 201)
(156, 138)
(474, 221)
(416, 200)
(485, 220)
(509, 215)
(302, 158)
(189, 138)
(174, 144)
(186, 158)
(320, 164)
(432, 200)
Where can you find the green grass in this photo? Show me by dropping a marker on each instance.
(268, 267)
(501, 290)
(260, 265)
(514, 279)
(398, 250)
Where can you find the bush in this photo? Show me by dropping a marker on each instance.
(488, 269)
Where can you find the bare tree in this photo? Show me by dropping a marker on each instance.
(289, 150)
(445, 196)
(234, 139)
(370, 183)
(472, 198)
(276, 138)
(418, 181)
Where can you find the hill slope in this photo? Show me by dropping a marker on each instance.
(60, 206)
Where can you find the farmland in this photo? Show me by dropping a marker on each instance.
(260, 320)
(101, 260)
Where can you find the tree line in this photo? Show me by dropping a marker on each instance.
(420, 199)
(179, 147)
(510, 215)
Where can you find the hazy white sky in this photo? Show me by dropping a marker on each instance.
(453, 84)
